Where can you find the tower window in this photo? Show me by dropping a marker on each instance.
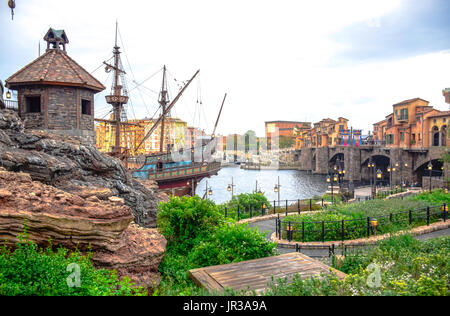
(33, 104)
(86, 107)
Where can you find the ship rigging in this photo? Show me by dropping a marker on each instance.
(174, 177)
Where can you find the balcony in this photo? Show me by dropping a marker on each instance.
(11, 105)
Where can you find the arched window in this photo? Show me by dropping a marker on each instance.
(435, 136)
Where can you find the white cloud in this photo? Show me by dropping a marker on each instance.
(273, 58)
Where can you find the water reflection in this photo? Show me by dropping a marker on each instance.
(294, 184)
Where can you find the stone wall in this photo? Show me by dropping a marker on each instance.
(61, 111)
(31, 120)
(436, 182)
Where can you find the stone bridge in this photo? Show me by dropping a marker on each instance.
(410, 164)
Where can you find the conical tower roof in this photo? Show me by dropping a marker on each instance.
(54, 67)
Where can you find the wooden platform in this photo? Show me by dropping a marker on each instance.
(257, 274)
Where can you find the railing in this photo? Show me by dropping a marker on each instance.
(183, 171)
(324, 251)
(347, 229)
(11, 105)
(283, 206)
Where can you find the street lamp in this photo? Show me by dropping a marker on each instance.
(208, 190)
(372, 178)
(277, 189)
(430, 168)
(230, 188)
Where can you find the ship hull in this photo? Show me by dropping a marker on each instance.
(180, 181)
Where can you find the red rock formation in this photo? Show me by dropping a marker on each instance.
(80, 221)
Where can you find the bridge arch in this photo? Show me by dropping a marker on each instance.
(423, 171)
(382, 163)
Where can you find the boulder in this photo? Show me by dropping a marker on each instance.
(76, 222)
(64, 163)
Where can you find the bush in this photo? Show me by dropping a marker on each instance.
(408, 268)
(181, 220)
(29, 270)
(435, 198)
(247, 201)
(231, 243)
(199, 238)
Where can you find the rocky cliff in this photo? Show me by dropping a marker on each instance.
(75, 222)
(64, 163)
(78, 198)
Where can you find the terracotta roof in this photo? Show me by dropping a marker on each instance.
(410, 101)
(440, 114)
(54, 67)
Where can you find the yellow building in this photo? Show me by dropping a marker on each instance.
(133, 133)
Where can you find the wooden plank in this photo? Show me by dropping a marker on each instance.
(257, 274)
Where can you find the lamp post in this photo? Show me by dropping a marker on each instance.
(406, 166)
(208, 190)
(230, 188)
(277, 189)
(389, 170)
(331, 179)
(372, 177)
(430, 168)
(379, 177)
(329, 182)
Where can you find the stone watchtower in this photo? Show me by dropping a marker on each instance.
(55, 93)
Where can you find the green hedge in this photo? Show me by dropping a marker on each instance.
(30, 271)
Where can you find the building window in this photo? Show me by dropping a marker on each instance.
(33, 104)
(402, 136)
(86, 107)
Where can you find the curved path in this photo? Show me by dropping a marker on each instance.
(268, 227)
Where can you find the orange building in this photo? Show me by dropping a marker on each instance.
(327, 132)
(286, 128)
(413, 124)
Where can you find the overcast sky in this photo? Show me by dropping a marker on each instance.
(277, 60)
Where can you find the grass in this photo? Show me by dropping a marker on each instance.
(327, 226)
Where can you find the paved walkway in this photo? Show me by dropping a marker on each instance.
(269, 228)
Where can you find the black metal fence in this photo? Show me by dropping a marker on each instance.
(346, 229)
(275, 207)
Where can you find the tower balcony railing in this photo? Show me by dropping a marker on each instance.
(11, 105)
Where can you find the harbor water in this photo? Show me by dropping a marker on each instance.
(294, 184)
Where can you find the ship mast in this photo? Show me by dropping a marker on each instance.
(116, 99)
(163, 101)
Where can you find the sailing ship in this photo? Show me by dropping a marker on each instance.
(176, 177)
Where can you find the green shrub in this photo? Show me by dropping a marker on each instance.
(202, 238)
(29, 270)
(408, 268)
(435, 198)
(231, 243)
(181, 220)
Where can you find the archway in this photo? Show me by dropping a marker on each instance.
(382, 163)
(435, 135)
(337, 161)
(422, 172)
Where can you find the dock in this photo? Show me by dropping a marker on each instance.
(257, 274)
